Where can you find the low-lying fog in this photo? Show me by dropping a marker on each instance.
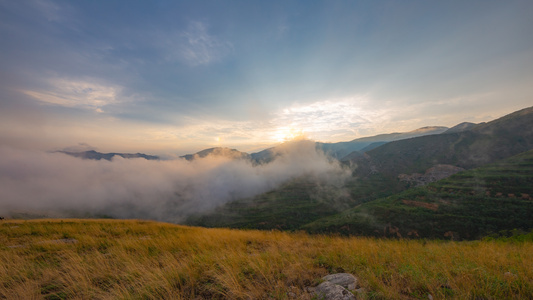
(58, 185)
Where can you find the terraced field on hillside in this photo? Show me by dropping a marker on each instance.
(467, 205)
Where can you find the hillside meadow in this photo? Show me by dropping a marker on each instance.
(132, 259)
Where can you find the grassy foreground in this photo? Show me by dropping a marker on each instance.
(117, 259)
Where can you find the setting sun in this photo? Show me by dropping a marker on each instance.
(284, 134)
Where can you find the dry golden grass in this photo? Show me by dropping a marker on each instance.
(114, 259)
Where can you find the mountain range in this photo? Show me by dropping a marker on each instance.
(94, 155)
(403, 187)
(342, 149)
(463, 182)
(339, 150)
(218, 151)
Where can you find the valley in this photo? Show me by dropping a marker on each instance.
(490, 161)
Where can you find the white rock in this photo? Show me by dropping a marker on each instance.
(345, 280)
(330, 291)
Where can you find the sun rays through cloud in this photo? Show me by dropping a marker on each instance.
(328, 120)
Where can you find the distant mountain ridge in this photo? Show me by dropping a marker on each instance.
(341, 149)
(482, 144)
(354, 149)
(462, 127)
(91, 154)
(218, 151)
(337, 150)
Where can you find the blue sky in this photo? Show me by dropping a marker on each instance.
(173, 77)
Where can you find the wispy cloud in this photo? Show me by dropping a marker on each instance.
(329, 119)
(77, 93)
(195, 46)
(51, 11)
(48, 10)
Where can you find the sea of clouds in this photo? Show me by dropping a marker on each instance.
(59, 185)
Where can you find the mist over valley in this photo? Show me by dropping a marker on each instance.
(286, 187)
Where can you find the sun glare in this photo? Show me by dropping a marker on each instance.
(285, 134)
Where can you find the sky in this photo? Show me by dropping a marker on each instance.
(176, 77)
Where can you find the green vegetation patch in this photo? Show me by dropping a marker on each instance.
(468, 205)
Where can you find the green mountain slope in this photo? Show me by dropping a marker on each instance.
(379, 169)
(341, 149)
(467, 205)
(296, 203)
(377, 175)
(485, 143)
(291, 206)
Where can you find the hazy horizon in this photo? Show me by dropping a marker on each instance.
(82, 147)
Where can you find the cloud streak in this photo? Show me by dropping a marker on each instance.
(333, 119)
(195, 46)
(58, 185)
(84, 94)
